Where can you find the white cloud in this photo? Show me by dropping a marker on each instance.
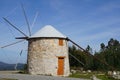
(108, 7)
(102, 35)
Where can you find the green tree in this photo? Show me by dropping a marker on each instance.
(110, 54)
(89, 49)
(89, 59)
(102, 46)
(77, 54)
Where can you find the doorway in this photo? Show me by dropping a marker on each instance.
(60, 66)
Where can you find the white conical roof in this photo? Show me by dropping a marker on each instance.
(48, 31)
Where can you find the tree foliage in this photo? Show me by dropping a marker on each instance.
(109, 54)
(86, 60)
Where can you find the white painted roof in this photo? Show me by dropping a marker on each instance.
(48, 31)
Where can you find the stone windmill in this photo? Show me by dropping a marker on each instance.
(47, 50)
(48, 53)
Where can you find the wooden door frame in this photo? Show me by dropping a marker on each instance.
(61, 57)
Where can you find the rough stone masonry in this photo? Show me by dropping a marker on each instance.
(43, 56)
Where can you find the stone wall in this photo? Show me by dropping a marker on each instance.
(43, 56)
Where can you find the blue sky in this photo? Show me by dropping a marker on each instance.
(87, 22)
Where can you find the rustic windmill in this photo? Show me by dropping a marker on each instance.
(47, 50)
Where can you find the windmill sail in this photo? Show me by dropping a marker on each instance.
(15, 67)
(26, 20)
(76, 59)
(34, 20)
(12, 44)
(15, 27)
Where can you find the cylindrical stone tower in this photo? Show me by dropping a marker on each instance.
(48, 53)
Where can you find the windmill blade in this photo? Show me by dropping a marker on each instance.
(15, 67)
(34, 20)
(26, 19)
(87, 53)
(12, 44)
(15, 27)
(76, 59)
(11, 12)
(21, 52)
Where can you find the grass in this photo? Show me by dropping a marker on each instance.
(80, 75)
(104, 77)
(22, 72)
(7, 79)
(89, 75)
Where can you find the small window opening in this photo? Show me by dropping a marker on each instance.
(61, 42)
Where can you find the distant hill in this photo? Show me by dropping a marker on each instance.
(6, 66)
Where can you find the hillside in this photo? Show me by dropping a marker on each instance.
(6, 66)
